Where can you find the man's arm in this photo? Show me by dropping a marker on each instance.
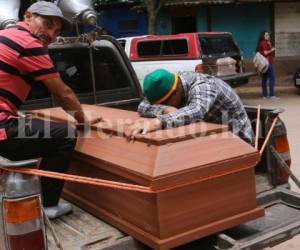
(67, 99)
(146, 109)
(201, 99)
(266, 50)
(146, 125)
(42, 69)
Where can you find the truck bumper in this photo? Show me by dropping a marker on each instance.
(238, 79)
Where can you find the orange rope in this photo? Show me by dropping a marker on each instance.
(81, 179)
(257, 127)
(115, 184)
(268, 135)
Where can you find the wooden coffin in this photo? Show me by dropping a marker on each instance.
(220, 67)
(203, 176)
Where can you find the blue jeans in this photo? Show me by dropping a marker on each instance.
(270, 74)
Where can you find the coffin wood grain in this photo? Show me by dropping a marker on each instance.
(155, 164)
(207, 171)
(173, 218)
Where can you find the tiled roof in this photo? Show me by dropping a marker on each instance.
(199, 2)
(169, 3)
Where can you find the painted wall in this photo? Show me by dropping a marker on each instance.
(163, 23)
(245, 22)
(202, 19)
(287, 29)
(111, 19)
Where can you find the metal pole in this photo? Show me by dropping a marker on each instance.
(284, 166)
(257, 127)
(55, 237)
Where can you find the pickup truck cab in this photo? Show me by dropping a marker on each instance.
(214, 53)
(101, 74)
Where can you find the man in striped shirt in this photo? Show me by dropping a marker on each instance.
(24, 59)
(174, 100)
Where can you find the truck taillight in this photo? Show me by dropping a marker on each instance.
(23, 223)
(283, 149)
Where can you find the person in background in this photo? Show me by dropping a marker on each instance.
(265, 48)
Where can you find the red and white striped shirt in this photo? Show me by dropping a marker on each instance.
(23, 60)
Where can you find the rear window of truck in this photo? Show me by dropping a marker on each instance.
(217, 45)
(162, 48)
(78, 75)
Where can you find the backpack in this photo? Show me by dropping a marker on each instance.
(261, 63)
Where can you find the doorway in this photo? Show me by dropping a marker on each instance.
(184, 24)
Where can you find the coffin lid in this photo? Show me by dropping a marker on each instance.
(114, 120)
(161, 158)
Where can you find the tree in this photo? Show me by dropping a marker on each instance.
(153, 8)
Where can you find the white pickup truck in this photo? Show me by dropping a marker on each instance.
(214, 53)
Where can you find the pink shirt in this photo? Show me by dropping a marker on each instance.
(23, 60)
(263, 46)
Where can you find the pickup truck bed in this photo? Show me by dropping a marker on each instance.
(81, 230)
(121, 89)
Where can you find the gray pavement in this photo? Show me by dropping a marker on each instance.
(254, 91)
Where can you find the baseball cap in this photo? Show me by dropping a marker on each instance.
(44, 8)
(159, 85)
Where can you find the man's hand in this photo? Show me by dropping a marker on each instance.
(169, 109)
(142, 126)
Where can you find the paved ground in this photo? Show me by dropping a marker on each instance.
(290, 101)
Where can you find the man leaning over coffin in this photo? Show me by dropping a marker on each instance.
(173, 100)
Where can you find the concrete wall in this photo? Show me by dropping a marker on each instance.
(245, 22)
(287, 29)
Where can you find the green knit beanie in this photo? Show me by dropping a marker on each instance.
(158, 84)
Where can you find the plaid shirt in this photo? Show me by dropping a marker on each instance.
(205, 98)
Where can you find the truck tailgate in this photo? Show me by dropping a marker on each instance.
(237, 76)
(81, 230)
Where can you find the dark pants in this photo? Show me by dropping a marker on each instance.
(270, 74)
(32, 138)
